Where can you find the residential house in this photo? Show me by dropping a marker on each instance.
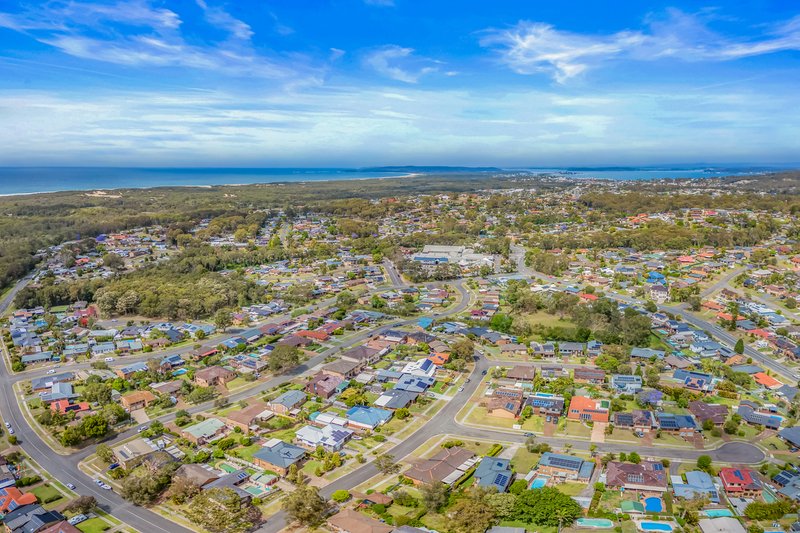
(287, 402)
(494, 472)
(682, 425)
(12, 497)
(696, 381)
(396, 399)
(546, 404)
(521, 373)
(127, 371)
(248, 418)
(638, 421)
(583, 408)
(759, 416)
(351, 521)
(137, 400)
(595, 376)
(331, 437)
(565, 467)
(703, 411)
(362, 417)
(740, 482)
(278, 456)
(697, 484)
(343, 369)
(363, 355)
(625, 383)
(571, 349)
(323, 385)
(505, 402)
(646, 477)
(31, 518)
(447, 466)
(205, 431)
(213, 376)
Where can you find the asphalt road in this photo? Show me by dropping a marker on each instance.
(444, 422)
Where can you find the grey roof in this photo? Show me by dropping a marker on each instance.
(281, 454)
(290, 398)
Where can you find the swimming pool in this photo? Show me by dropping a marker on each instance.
(717, 513)
(179, 372)
(655, 526)
(596, 523)
(539, 482)
(653, 504)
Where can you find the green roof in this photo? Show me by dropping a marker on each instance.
(204, 429)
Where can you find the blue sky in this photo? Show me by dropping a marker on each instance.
(373, 82)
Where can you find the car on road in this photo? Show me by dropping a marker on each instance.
(461, 389)
(10, 431)
(102, 485)
(484, 372)
(51, 371)
(109, 359)
(529, 434)
(8, 425)
(70, 486)
(142, 428)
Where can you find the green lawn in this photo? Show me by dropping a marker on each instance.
(523, 461)
(577, 429)
(93, 525)
(46, 494)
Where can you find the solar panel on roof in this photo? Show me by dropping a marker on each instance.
(658, 467)
(501, 479)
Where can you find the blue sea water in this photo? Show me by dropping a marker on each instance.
(26, 180)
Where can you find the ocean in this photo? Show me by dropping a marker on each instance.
(27, 180)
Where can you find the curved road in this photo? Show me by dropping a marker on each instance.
(443, 422)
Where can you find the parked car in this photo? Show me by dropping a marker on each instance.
(8, 425)
(460, 389)
(10, 431)
(109, 359)
(70, 486)
(51, 371)
(142, 428)
(77, 519)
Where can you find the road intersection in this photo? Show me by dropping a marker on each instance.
(444, 422)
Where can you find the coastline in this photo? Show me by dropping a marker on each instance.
(101, 191)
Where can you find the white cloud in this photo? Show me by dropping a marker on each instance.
(398, 63)
(152, 37)
(535, 47)
(352, 125)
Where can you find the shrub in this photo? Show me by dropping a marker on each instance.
(340, 496)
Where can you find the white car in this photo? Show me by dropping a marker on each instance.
(77, 519)
(8, 425)
(51, 371)
(109, 359)
(70, 486)
(10, 431)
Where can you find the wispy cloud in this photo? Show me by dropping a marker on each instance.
(220, 18)
(399, 63)
(536, 47)
(137, 33)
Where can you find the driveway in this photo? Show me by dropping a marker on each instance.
(599, 431)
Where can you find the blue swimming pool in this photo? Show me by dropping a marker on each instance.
(539, 482)
(653, 504)
(179, 372)
(717, 513)
(596, 523)
(655, 526)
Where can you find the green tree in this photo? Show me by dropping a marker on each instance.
(739, 348)
(223, 320)
(340, 496)
(704, 462)
(283, 357)
(305, 506)
(473, 512)
(546, 507)
(104, 452)
(434, 495)
(220, 510)
(386, 465)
